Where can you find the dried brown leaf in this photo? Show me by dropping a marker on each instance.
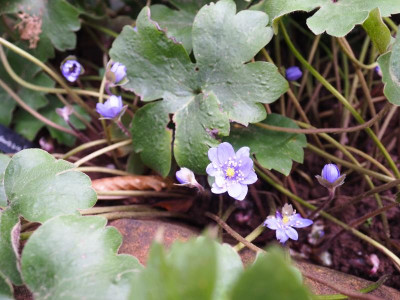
(130, 183)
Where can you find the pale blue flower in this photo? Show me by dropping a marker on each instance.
(119, 71)
(293, 73)
(232, 171)
(186, 177)
(285, 223)
(111, 108)
(330, 172)
(71, 69)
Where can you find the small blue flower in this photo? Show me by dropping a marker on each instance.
(135, 28)
(111, 108)
(186, 177)
(284, 223)
(293, 73)
(378, 71)
(232, 171)
(330, 177)
(71, 69)
(119, 72)
(330, 172)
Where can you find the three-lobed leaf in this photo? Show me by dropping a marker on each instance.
(272, 149)
(178, 23)
(74, 257)
(220, 87)
(336, 18)
(40, 187)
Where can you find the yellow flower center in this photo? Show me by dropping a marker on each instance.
(285, 219)
(230, 172)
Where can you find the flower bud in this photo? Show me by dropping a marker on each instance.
(378, 71)
(71, 69)
(293, 73)
(186, 178)
(330, 177)
(116, 73)
(330, 172)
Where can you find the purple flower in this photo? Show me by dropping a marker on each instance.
(378, 71)
(111, 108)
(284, 223)
(232, 171)
(118, 71)
(71, 69)
(186, 177)
(293, 73)
(330, 172)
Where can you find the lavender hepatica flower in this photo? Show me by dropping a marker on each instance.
(330, 177)
(232, 171)
(378, 71)
(186, 177)
(110, 109)
(116, 73)
(71, 69)
(285, 222)
(293, 73)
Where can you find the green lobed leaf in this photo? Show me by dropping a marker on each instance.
(178, 23)
(39, 187)
(160, 68)
(377, 30)
(198, 269)
(27, 125)
(388, 63)
(335, 18)
(8, 261)
(6, 289)
(4, 160)
(273, 149)
(74, 257)
(271, 277)
(60, 19)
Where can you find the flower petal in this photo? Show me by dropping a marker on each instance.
(246, 165)
(217, 189)
(292, 233)
(243, 194)
(272, 223)
(212, 155)
(281, 236)
(211, 170)
(250, 179)
(298, 222)
(235, 190)
(220, 181)
(224, 152)
(243, 152)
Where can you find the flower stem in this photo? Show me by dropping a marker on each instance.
(342, 99)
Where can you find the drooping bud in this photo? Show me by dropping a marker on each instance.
(293, 73)
(186, 178)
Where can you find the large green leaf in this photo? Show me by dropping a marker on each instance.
(39, 187)
(29, 72)
(4, 160)
(178, 23)
(6, 289)
(204, 95)
(8, 258)
(199, 269)
(27, 125)
(271, 277)
(60, 19)
(74, 257)
(273, 149)
(390, 66)
(337, 18)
